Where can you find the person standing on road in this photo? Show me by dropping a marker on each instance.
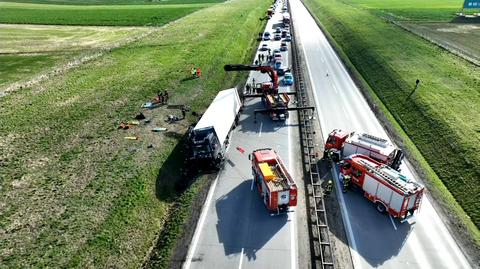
(247, 87)
(329, 187)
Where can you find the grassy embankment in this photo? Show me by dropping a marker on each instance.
(29, 50)
(75, 192)
(441, 117)
(105, 15)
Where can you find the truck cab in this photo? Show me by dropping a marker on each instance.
(335, 141)
(205, 146)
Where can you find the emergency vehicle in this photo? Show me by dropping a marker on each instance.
(342, 144)
(274, 183)
(391, 191)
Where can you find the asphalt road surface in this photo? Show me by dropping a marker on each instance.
(235, 229)
(375, 240)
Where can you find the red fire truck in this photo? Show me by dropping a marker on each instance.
(342, 144)
(391, 191)
(275, 185)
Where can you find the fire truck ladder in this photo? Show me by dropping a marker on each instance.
(384, 176)
(320, 247)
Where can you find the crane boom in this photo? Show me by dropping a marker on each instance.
(262, 68)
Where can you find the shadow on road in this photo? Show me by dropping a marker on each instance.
(244, 222)
(250, 123)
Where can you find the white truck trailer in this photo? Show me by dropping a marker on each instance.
(208, 140)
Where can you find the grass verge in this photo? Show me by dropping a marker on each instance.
(389, 58)
(79, 193)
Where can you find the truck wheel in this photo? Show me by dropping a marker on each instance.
(381, 208)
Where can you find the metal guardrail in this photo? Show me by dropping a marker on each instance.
(320, 247)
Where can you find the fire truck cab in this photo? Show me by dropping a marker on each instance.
(274, 183)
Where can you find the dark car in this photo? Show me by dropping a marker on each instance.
(277, 37)
(266, 36)
(281, 71)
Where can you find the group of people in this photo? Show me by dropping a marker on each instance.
(345, 179)
(264, 58)
(250, 88)
(196, 72)
(162, 97)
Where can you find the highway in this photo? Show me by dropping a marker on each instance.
(235, 230)
(376, 241)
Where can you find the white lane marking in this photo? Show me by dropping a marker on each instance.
(293, 242)
(251, 186)
(241, 260)
(346, 221)
(260, 131)
(447, 237)
(393, 223)
(415, 246)
(335, 88)
(323, 59)
(324, 133)
(201, 222)
(417, 251)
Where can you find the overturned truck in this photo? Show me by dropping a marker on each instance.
(208, 140)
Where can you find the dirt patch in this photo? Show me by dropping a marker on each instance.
(460, 39)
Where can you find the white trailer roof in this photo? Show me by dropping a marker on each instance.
(374, 143)
(221, 113)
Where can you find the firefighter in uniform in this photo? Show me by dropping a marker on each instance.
(329, 187)
(346, 182)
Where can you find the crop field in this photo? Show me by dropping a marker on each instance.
(441, 117)
(27, 50)
(104, 15)
(413, 10)
(461, 38)
(75, 192)
(114, 2)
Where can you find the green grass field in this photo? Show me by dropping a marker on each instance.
(441, 117)
(74, 192)
(105, 15)
(29, 50)
(415, 10)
